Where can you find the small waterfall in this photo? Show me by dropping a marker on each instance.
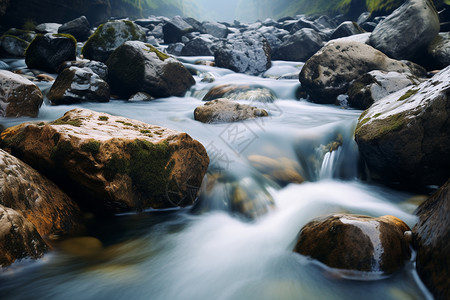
(329, 164)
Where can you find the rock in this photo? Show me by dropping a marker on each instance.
(299, 46)
(246, 197)
(196, 25)
(174, 29)
(241, 92)
(407, 31)
(346, 29)
(224, 110)
(375, 85)
(38, 199)
(273, 36)
(75, 85)
(112, 164)
(109, 36)
(247, 53)
(45, 28)
(13, 46)
(25, 35)
(439, 50)
(404, 138)
(141, 96)
(198, 46)
(356, 243)
(215, 29)
(18, 238)
(432, 243)
(328, 73)
(79, 28)
(175, 49)
(138, 67)
(97, 67)
(281, 170)
(47, 52)
(18, 96)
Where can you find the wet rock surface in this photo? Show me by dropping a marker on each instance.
(223, 111)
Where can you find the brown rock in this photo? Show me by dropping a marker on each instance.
(240, 92)
(39, 200)
(282, 170)
(112, 163)
(224, 110)
(18, 96)
(354, 242)
(432, 242)
(18, 238)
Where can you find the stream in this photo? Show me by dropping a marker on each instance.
(208, 251)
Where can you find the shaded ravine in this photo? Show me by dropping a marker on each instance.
(214, 254)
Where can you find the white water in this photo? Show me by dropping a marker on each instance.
(215, 255)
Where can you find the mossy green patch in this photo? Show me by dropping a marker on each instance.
(91, 146)
(161, 56)
(408, 94)
(61, 151)
(66, 35)
(67, 121)
(382, 127)
(29, 25)
(144, 131)
(149, 167)
(103, 118)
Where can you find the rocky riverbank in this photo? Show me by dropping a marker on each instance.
(109, 164)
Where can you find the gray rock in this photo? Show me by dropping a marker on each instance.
(109, 36)
(223, 111)
(299, 46)
(439, 50)
(13, 46)
(198, 46)
(47, 28)
(375, 85)
(78, 27)
(241, 92)
(406, 31)
(75, 85)
(97, 67)
(432, 243)
(139, 67)
(47, 52)
(175, 48)
(174, 29)
(347, 28)
(245, 53)
(18, 96)
(328, 73)
(215, 29)
(404, 138)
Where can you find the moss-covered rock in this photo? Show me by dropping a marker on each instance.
(18, 96)
(13, 46)
(405, 137)
(109, 36)
(47, 52)
(109, 163)
(223, 110)
(140, 67)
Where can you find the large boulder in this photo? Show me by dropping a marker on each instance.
(356, 243)
(408, 30)
(248, 53)
(110, 164)
(224, 110)
(328, 73)
(97, 67)
(300, 46)
(38, 199)
(439, 50)
(18, 238)
(18, 96)
(13, 46)
(404, 138)
(346, 28)
(174, 29)
(109, 36)
(432, 243)
(139, 67)
(215, 29)
(75, 85)
(79, 28)
(375, 85)
(198, 46)
(47, 52)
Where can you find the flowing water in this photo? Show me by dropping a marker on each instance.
(211, 252)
